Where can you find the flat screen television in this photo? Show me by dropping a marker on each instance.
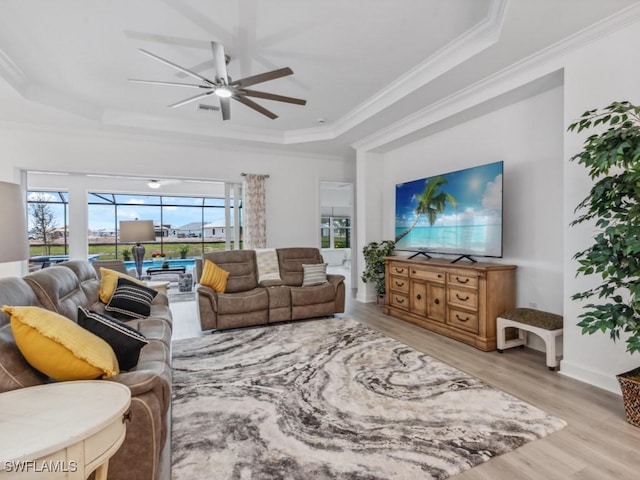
(457, 213)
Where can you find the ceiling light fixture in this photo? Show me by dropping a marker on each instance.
(223, 92)
(153, 184)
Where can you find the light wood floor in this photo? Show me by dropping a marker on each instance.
(597, 444)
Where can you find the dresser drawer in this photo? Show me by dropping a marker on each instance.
(463, 297)
(470, 281)
(399, 300)
(399, 284)
(398, 269)
(463, 320)
(430, 275)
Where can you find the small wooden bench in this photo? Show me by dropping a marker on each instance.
(546, 325)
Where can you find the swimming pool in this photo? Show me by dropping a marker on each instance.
(173, 262)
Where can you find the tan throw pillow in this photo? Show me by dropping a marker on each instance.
(109, 282)
(314, 274)
(213, 276)
(268, 266)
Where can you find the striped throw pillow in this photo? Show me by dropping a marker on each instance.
(131, 300)
(213, 276)
(314, 274)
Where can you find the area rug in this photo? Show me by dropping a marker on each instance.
(333, 399)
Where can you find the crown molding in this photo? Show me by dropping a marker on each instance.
(478, 38)
(543, 62)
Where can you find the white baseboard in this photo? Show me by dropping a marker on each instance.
(595, 378)
(365, 297)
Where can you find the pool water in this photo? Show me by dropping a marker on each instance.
(177, 262)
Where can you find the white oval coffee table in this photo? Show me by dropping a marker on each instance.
(61, 430)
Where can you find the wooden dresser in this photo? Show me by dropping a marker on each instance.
(460, 301)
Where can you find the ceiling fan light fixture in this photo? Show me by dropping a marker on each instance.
(223, 92)
(153, 184)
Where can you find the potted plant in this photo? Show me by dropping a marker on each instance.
(613, 160)
(374, 254)
(184, 250)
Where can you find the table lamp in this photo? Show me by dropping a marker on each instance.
(137, 231)
(15, 246)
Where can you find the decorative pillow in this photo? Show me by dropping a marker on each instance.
(131, 299)
(268, 266)
(213, 276)
(314, 274)
(59, 347)
(125, 340)
(109, 282)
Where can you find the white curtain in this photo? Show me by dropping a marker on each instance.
(254, 225)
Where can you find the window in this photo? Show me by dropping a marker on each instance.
(47, 223)
(185, 226)
(335, 232)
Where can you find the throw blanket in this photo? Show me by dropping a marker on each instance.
(268, 268)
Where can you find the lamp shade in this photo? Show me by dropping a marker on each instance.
(15, 244)
(137, 231)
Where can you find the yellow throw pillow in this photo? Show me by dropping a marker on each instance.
(59, 347)
(213, 276)
(109, 282)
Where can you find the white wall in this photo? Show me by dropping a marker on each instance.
(527, 136)
(292, 189)
(595, 76)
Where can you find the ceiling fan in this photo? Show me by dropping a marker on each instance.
(224, 87)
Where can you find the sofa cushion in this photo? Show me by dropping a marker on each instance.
(109, 282)
(291, 261)
(241, 265)
(59, 347)
(243, 302)
(87, 276)
(125, 340)
(315, 274)
(131, 299)
(213, 276)
(58, 289)
(312, 295)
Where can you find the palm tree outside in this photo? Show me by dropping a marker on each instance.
(431, 202)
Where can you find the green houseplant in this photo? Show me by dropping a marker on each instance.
(613, 204)
(374, 254)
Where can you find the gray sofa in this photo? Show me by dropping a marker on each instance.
(246, 301)
(64, 287)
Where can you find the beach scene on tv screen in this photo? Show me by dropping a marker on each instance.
(457, 212)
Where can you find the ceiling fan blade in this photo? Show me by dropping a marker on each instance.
(220, 63)
(263, 77)
(272, 96)
(225, 107)
(255, 106)
(192, 99)
(173, 84)
(177, 67)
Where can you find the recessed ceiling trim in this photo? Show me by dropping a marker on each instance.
(533, 67)
(480, 37)
(11, 72)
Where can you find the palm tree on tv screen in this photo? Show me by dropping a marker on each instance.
(431, 202)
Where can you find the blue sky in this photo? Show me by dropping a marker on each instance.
(478, 191)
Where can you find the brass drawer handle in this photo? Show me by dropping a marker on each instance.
(419, 297)
(439, 275)
(399, 284)
(399, 300)
(399, 270)
(462, 319)
(437, 301)
(466, 280)
(462, 299)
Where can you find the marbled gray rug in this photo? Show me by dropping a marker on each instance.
(333, 399)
